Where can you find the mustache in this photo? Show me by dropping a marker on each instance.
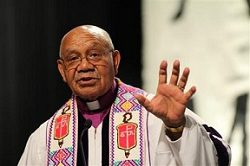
(87, 75)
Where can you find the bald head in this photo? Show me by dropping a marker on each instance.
(88, 31)
(88, 62)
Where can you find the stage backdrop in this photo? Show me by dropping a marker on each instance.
(212, 38)
(31, 89)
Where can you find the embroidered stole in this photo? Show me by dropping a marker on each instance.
(62, 132)
(126, 131)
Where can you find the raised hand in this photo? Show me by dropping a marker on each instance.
(170, 100)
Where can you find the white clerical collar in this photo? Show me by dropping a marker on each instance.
(93, 105)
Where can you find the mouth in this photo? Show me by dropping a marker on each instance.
(87, 81)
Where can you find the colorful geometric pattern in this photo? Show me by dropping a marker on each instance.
(126, 102)
(127, 163)
(62, 156)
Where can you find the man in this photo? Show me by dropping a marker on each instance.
(107, 122)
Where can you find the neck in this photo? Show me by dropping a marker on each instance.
(100, 103)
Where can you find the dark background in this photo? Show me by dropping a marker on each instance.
(31, 89)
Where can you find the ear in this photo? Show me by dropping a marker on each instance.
(116, 60)
(61, 69)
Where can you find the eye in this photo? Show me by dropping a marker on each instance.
(94, 55)
(72, 58)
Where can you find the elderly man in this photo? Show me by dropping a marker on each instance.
(107, 122)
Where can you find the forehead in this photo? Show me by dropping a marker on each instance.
(84, 38)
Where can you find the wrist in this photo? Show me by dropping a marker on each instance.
(175, 129)
(175, 124)
(174, 133)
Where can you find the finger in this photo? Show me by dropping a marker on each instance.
(143, 101)
(163, 72)
(184, 78)
(175, 72)
(190, 92)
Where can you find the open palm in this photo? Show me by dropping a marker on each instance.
(170, 100)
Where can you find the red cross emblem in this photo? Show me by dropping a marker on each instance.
(126, 135)
(61, 127)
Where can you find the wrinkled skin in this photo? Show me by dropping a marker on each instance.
(88, 81)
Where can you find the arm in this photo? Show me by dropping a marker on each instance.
(35, 149)
(186, 136)
(196, 146)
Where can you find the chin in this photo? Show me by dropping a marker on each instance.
(88, 94)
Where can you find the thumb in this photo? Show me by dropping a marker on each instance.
(143, 101)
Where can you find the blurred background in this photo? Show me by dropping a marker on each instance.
(209, 36)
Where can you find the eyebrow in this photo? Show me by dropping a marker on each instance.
(70, 51)
(94, 48)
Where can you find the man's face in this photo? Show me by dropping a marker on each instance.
(87, 64)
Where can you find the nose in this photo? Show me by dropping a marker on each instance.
(85, 65)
